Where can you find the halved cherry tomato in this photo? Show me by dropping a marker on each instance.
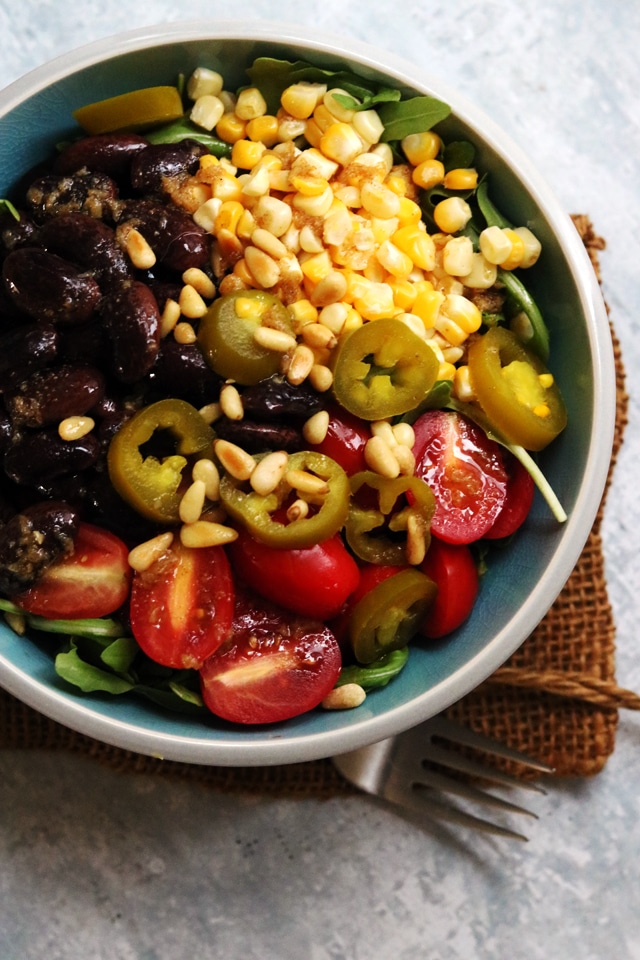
(520, 491)
(181, 608)
(313, 581)
(93, 581)
(452, 568)
(345, 441)
(276, 666)
(465, 471)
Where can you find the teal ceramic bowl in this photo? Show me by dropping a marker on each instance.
(522, 581)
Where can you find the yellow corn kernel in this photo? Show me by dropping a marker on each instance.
(337, 225)
(452, 214)
(384, 152)
(314, 206)
(250, 104)
(532, 247)
(245, 154)
(336, 109)
(428, 174)
(378, 200)
(341, 143)
(246, 225)
(322, 118)
(316, 266)
(228, 216)
(263, 130)
(207, 111)
(368, 124)
(417, 244)
(517, 251)
(461, 178)
(409, 212)
(257, 182)
(418, 147)
(352, 322)
(301, 99)
(302, 312)
(404, 293)
(204, 82)
(546, 380)
(446, 371)
(273, 214)
(462, 384)
(375, 302)
(457, 256)
(312, 133)
(383, 228)
(427, 306)
(231, 128)
(226, 187)
(208, 161)
(289, 128)
(462, 311)
(414, 323)
(307, 184)
(494, 244)
(249, 308)
(394, 261)
(482, 275)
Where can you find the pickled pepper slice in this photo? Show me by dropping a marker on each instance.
(264, 517)
(135, 110)
(152, 482)
(383, 369)
(389, 616)
(376, 527)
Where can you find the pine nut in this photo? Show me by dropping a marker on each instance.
(192, 502)
(298, 510)
(320, 377)
(201, 283)
(204, 533)
(231, 402)
(266, 241)
(416, 540)
(276, 340)
(74, 428)
(144, 555)
(170, 316)
(234, 459)
(139, 251)
(406, 460)
(263, 268)
(382, 428)
(381, 458)
(184, 333)
(315, 428)
(404, 434)
(191, 303)
(330, 289)
(206, 471)
(302, 362)
(210, 412)
(304, 482)
(319, 336)
(269, 472)
(346, 697)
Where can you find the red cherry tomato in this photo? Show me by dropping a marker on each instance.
(276, 666)
(181, 608)
(312, 581)
(520, 491)
(452, 568)
(93, 582)
(345, 441)
(465, 471)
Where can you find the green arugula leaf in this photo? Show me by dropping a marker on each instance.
(458, 154)
(120, 654)
(184, 129)
(385, 95)
(411, 116)
(376, 674)
(272, 76)
(90, 679)
(7, 207)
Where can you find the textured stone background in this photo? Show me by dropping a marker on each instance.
(100, 866)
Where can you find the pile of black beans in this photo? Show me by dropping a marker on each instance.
(80, 335)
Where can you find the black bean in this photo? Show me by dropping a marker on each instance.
(276, 397)
(260, 437)
(163, 160)
(32, 540)
(109, 153)
(49, 396)
(84, 342)
(182, 371)
(48, 287)
(38, 458)
(24, 349)
(88, 243)
(85, 192)
(132, 322)
(177, 241)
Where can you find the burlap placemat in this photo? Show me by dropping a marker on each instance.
(556, 698)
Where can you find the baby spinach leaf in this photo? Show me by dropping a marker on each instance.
(411, 116)
(183, 129)
(272, 76)
(120, 654)
(386, 95)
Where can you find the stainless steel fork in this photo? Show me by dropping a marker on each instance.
(399, 771)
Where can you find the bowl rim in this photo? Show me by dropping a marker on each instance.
(278, 749)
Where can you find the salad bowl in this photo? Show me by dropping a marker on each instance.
(524, 578)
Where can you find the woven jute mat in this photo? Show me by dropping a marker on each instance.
(556, 698)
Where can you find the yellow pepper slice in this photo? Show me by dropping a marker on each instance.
(136, 110)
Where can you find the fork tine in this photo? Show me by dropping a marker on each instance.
(431, 779)
(449, 730)
(421, 802)
(473, 768)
